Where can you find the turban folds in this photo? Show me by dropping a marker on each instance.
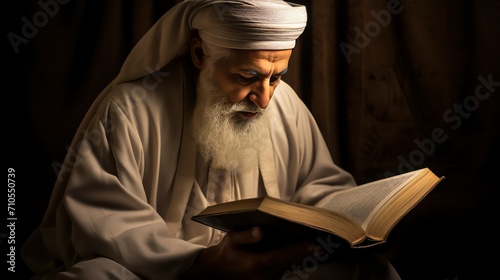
(272, 25)
(235, 24)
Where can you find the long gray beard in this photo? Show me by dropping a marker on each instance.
(223, 138)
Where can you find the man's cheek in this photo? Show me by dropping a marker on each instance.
(235, 94)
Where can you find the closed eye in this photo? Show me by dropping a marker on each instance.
(250, 76)
(245, 79)
(275, 80)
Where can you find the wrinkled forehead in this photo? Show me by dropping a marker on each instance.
(257, 62)
(251, 25)
(271, 56)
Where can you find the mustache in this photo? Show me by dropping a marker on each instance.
(246, 106)
(224, 103)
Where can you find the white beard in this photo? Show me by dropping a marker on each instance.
(225, 139)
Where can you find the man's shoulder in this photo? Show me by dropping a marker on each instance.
(172, 73)
(163, 87)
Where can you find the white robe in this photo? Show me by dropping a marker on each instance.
(137, 179)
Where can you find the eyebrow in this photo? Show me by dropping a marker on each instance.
(256, 73)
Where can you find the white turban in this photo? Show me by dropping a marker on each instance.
(235, 24)
(273, 25)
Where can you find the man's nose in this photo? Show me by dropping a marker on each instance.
(261, 94)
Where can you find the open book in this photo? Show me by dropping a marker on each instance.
(362, 216)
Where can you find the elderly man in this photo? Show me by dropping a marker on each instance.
(198, 115)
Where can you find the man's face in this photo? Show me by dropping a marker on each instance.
(230, 126)
(251, 75)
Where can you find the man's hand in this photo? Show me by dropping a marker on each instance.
(233, 258)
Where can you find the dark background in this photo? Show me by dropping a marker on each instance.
(373, 108)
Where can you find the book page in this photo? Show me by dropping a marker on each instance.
(358, 202)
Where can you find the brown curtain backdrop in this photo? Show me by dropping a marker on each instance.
(395, 85)
(400, 85)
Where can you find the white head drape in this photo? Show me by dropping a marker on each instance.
(237, 24)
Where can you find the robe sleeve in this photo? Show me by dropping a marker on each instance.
(107, 202)
(306, 171)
